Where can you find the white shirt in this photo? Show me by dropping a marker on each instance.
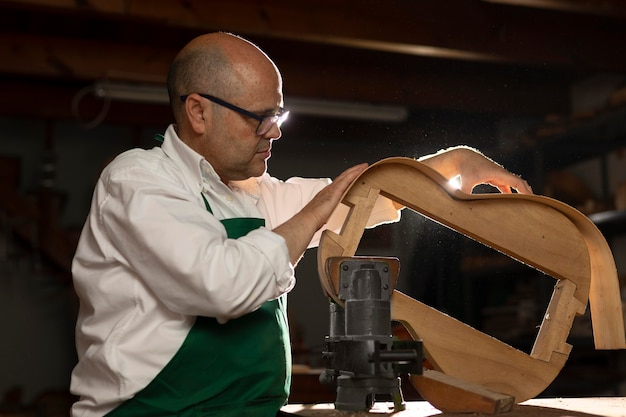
(151, 258)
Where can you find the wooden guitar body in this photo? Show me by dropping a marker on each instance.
(541, 232)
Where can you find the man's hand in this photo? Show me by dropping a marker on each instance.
(299, 230)
(326, 200)
(474, 169)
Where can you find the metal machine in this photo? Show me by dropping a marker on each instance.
(364, 361)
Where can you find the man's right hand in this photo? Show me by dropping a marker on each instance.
(299, 230)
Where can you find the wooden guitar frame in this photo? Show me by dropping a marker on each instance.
(546, 234)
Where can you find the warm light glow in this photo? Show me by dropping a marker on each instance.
(455, 182)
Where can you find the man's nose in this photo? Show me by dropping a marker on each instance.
(274, 133)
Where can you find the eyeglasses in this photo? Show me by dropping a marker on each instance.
(265, 121)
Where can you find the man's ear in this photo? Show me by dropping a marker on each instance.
(195, 112)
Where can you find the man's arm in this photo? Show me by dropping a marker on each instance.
(299, 230)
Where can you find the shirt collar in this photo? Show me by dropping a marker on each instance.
(186, 158)
(250, 186)
(198, 169)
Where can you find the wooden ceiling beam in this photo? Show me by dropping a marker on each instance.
(411, 81)
(80, 59)
(463, 29)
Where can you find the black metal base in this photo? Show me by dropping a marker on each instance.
(359, 394)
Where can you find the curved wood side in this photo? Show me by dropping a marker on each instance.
(463, 352)
(604, 293)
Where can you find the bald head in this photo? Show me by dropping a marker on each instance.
(220, 64)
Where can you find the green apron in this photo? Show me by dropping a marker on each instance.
(241, 368)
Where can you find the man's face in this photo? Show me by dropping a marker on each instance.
(231, 144)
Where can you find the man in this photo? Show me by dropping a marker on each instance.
(187, 255)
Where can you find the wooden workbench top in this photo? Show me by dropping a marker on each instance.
(545, 407)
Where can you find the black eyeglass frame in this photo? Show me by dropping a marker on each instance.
(278, 118)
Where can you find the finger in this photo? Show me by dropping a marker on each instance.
(335, 190)
(506, 182)
(350, 174)
(355, 170)
(524, 188)
(520, 186)
(504, 189)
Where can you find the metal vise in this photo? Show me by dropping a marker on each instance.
(363, 359)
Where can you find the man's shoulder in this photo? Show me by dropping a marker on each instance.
(136, 160)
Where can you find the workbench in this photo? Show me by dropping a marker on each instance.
(540, 407)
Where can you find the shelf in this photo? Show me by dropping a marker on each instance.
(567, 140)
(574, 140)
